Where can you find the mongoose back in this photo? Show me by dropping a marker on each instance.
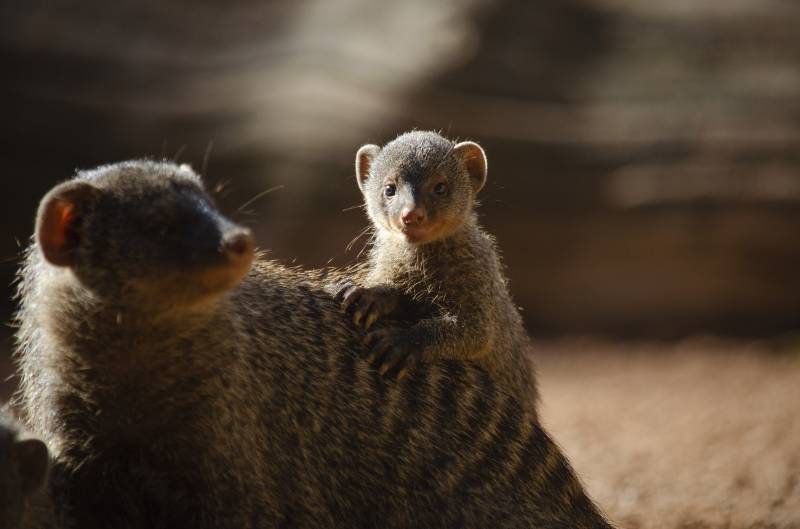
(182, 382)
(24, 501)
(428, 248)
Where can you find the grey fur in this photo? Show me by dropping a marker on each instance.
(249, 406)
(458, 274)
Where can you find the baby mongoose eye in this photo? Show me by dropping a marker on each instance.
(389, 190)
(440, 189)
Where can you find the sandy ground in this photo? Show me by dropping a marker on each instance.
(697, 435)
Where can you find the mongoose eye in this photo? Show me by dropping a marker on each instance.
(389, 190)
(440, 188)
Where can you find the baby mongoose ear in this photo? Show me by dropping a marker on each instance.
(364, 158)
(33, 461)
(474, 159)
(56, 223)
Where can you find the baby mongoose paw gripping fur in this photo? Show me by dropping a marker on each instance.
(392, 352)
(368, 304)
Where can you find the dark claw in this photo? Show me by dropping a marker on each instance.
(372, 317)
(392, 361)
(378, 350)
(411, 362)
(389, 355)
(351, 296)
(364, 308)
(337, 289)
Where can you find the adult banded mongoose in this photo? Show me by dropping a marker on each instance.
(24, 462)
(428, 250)
(182, 383)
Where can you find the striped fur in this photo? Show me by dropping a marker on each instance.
(456, 277)
(254, 408)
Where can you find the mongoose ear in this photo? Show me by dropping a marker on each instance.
(56, 223)
(33, 460)
(474, 159)
(364, 158)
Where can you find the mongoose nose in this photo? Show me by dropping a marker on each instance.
(413, 216)
(239, 244)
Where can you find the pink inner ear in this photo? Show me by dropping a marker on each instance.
(475, 163)
(364, 162)
(54, 231)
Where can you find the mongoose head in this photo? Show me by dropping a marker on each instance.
(420, 186)
(23, 471)
(144, 234)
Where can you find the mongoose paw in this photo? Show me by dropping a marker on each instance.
(392, 353)
(337, 290)
(368, 304)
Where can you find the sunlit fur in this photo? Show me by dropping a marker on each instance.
(253, 409)
(457, 270)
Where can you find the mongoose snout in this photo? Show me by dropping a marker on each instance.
(413, 215)
(239, 246)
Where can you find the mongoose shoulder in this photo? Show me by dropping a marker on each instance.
(24, 463)
(181, 380)
(420, 194)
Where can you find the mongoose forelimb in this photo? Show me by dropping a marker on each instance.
(24, 463)
(432, 264)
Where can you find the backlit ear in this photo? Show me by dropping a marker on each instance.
(474, 159)
(57, 220)
(33, 461)
(364, 158)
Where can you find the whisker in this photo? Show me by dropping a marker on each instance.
(263, 193)
(357, 237)
(11, 259)
(179, 152)
(366, 245)
(206, 156)
(357, 206)
(221, 186)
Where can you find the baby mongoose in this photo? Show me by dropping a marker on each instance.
(182, 381)
(428, 248)
(24, 501)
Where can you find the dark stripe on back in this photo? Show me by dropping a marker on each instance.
(378, 389)
(533, 455)
(413, 388)
(484, 405)
(447, 405)
(347, 371)
(494, 462)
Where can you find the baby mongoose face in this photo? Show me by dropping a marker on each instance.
(143, 233)
(420, 186)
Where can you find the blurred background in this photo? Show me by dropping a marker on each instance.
(644, 183)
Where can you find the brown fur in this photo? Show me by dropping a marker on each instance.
(442, 259)
(24, 499)
(219, 406)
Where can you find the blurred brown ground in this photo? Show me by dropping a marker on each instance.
(699, 434)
